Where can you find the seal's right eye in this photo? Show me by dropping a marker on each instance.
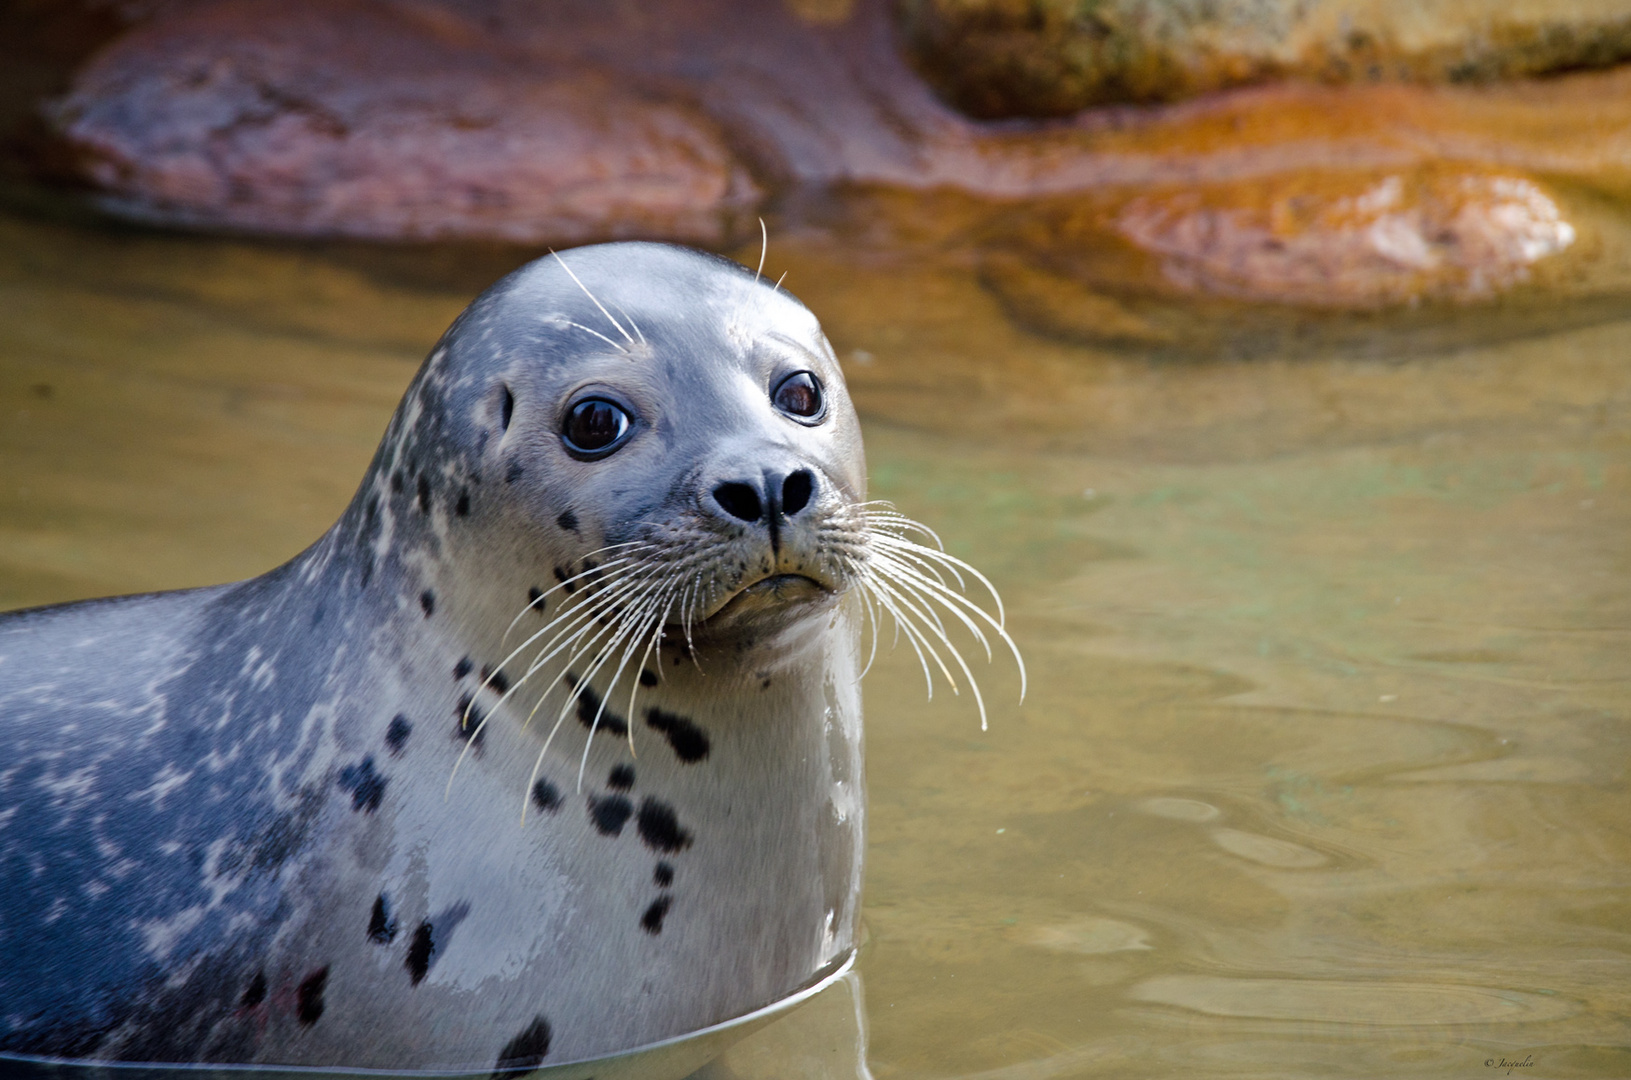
(595, 426)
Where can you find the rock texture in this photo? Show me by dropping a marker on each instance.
(353, 118)
(578, 120)
(1002, 58)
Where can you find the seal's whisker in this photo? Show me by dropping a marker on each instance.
(764, 249)
(920, 556)
(959, 605)
(957, 658)
(654, 645)
(632, 629)
(582, 611)
(577, 620)
(897, 600)
(896, 574)
(570, 638)
(632, 324)
(926, 590)
(597, 333)
(634, 632)
(883, 603)
(951, 562)
(591, 296)
(573, 580)
(870, 607)
(634, 593)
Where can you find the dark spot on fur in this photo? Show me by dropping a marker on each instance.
(564, 578)
(381, 923)
(690, 742)
(255, 993)
(421, 951)
(367, 573)
(534, 595)
(424, 495)
(648, 677)
(396, 482)
(317, 615)
(499, 681)
(309, 996)
(545, 797)
(610, 813)
(664, 875)
(622, 778)
(568, 521)
(652, 921)
(512, 472)
(659, 828)
(396, 736)
(765, 685)
(470, 718)
(589, 708)
(462, 507)
(528, 1049)
(427, 600)
(462, 668)
(367, 787)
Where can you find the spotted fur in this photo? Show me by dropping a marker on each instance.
(223, 837)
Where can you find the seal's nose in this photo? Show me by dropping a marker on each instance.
(773, 497)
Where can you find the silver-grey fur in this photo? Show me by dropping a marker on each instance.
(226, 827)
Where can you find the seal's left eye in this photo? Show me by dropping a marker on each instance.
(594, 426)
(799, 395)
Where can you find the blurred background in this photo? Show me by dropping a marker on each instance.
(1273, 357)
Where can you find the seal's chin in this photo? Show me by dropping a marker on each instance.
(772, 601)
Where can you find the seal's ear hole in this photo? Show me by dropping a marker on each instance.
(506, 406)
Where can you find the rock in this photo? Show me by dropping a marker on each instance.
(1310, 256)
(507, 119)
(1003, 58)
(1357, 242)
(353, 118)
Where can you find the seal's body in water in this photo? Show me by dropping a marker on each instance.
(315, 819)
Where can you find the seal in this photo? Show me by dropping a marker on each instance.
(549, 749)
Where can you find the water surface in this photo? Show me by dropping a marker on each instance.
(1323, 771)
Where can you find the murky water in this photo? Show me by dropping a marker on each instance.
(1323, 771)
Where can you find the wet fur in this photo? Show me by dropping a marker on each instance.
(226, 830)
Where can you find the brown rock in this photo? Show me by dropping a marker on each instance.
(353, 118)
(997, 58)
(1310, 256)
(1341, 240)
(582, 119)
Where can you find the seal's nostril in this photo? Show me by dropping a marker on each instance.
(739, 501)
(796, 490)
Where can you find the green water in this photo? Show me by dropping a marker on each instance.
(1323, 769)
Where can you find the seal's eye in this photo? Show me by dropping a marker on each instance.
(799, 395)
(594, 426)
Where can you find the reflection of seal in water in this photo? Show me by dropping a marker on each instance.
(282, 821)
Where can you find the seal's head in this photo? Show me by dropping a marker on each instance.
(657, 422)
(700, 419)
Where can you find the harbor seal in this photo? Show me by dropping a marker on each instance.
(549, 749)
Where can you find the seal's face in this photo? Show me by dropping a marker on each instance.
(700, 425)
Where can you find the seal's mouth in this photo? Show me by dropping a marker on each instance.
(776, 594)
